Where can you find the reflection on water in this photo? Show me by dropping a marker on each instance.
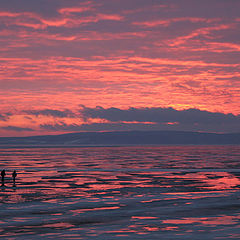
(177, 192)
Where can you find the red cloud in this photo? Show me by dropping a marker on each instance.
(66, 19)
(167, 22)
(201, 32)
(74, 10)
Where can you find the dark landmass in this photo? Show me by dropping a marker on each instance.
(123, 138)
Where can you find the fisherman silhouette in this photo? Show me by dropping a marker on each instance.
(3, 175)
(14, 174)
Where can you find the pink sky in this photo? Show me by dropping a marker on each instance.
(59, 57)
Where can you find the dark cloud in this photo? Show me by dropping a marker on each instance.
(168, 118)
(51, 112)
(43, 7)
(17, 129)
(4, 116)
(209, 9)
(145, 119)
(159, 115)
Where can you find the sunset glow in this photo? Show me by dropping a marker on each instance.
(59, 58)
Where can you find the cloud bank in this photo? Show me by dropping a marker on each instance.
(50, 112)
(116, 119)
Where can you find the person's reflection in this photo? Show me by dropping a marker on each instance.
(3, 173)
(14, 174)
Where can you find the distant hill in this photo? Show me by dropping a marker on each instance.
(123, 138)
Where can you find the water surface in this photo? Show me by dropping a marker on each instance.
(160, 192)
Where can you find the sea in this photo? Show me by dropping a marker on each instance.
(121, 192)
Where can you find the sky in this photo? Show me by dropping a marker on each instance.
(104, 65)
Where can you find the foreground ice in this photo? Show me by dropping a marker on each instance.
(117, 193)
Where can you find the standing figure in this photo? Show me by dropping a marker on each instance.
(3, 175)
(14, 174)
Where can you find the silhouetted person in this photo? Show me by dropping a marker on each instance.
(14, 174)
(3, 175)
